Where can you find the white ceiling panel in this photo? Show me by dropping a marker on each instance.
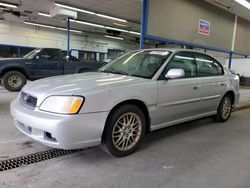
(125, 9)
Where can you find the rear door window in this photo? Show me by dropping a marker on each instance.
(207, 66)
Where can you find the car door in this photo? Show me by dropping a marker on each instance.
(212, 82)
(179, 98)
(48, 63)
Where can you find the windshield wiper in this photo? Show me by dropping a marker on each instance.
(140, 76)
(116, 72)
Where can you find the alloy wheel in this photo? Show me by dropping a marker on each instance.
(226, 108)
(127, 131)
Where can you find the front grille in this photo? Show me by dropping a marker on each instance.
(28, 100)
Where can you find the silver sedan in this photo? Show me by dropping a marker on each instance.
(139, 92)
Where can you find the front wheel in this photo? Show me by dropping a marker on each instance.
(224, 109)
(13, 81)
(124, 131)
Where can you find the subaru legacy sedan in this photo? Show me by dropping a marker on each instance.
(117, 105)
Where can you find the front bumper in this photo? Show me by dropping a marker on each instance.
(59, 131)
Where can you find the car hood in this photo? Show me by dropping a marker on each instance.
(5, 60)
(77, 84)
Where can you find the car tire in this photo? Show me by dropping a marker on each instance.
(13, 81)
(225, 108)
(124, 131)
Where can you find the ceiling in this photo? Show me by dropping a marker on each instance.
(125, 9)
(117, 8)
(233, 7)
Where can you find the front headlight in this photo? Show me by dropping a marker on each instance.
(62, 104)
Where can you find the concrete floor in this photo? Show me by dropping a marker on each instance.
(197, 154)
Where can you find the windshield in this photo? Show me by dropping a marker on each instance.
(139, 64)
(32, 54)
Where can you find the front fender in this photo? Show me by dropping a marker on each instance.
(14, 67)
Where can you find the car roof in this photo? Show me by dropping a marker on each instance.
(172, 50)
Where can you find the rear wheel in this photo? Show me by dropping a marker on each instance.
(225, 109)
(13, 81)
(125, 131)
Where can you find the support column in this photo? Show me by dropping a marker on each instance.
(143, 22)
(68, 38)
(230, 60)
(234, 32)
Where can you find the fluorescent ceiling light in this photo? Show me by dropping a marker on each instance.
(111, 17)
(74, 8)
(40, 25)
(51, 27)
(105, 27)
(44, 14)
(134, 32)
(243, 3)
(88, 23)
(119, 24)
(10, 5)
(113, 37)
(71, 30)
(89, 12)
(117, 29)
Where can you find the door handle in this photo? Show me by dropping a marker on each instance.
(222, 84)
(196, 87)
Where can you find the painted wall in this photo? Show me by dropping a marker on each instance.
(241, 66)
(242, 42)
(179, 20)
(13, 33)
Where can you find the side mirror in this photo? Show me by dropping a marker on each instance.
(175, 73)
(37, 57)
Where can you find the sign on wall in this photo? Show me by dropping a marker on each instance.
(204, 27)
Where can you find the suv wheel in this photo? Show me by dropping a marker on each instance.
(225, 109)
(124, 131)
(13, 81)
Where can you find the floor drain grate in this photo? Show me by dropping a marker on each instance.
(34, 158)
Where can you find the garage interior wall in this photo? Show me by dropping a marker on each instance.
(13, 33)
(181, 20)
(241, 66)
(242, 40)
